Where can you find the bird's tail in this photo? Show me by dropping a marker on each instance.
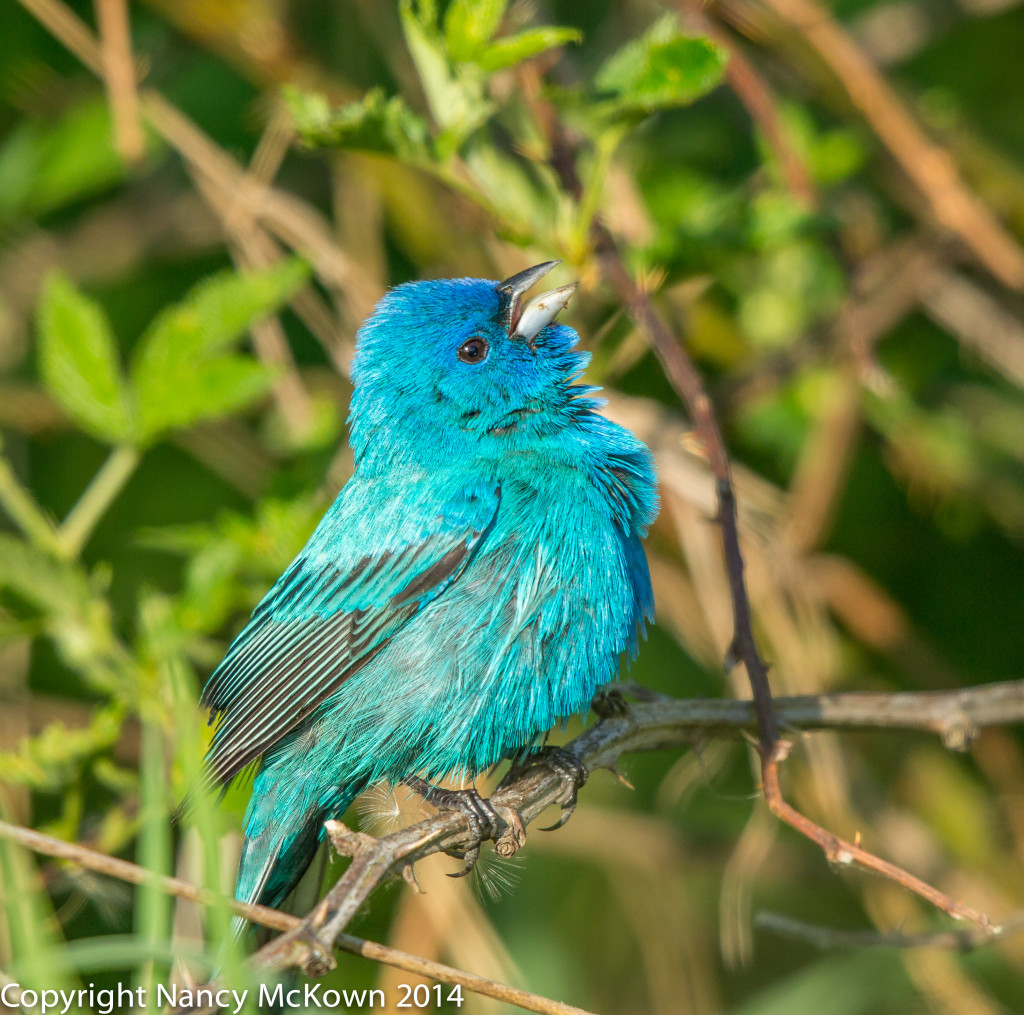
(273, 863)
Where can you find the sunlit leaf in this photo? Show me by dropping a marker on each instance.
(37, 578)
(374, 123)
(662, 69)
(515, 48)
(210, 391)
(468, 24)
(455, 94)
(78, 361)
(50, 162)
(180, 374)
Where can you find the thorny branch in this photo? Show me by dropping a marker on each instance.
(688, 384)
(653, 722)
(277, 920)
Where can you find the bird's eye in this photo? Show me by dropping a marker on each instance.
(474, 350)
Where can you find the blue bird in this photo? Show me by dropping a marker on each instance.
(475, 581)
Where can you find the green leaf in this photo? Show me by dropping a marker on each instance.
(373, 123)
(74, 607)
(515, 48)
(78, 361)
(180, 374)
(208, 391)
(36, 577)
(468, 24)
(49, 162)
(455, 94)
(663, 68)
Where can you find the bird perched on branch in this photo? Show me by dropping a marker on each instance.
(475, 581)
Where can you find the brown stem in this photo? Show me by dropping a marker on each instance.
(841, 851)
(687, 382)
(119, 77)
(123, 870)
(926, 164)
(653, 723)
(829, 937)
(756, 95)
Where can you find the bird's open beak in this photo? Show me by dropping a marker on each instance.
(541, 311)
(527, 322)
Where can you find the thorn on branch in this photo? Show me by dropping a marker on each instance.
(958, 735)
(316, 960)
(347, 842)
(620, 775)
(409, 875)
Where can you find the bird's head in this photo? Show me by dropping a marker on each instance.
(467, 365)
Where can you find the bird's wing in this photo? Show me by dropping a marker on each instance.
(384, 550)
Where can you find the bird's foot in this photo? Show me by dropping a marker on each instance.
(566, 766)
(609, 703)
(486, 821)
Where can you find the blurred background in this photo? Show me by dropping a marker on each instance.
(827, 205)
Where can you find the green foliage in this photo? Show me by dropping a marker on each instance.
(48, 162)
(470, 24)
(374, 123)
(182, 371)
(78, 362)
(662, 69)
(514, 49)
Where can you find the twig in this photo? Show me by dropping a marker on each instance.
(686, 380)
(656, 722)
(25, 512)
(965, 940)
(926, 164)
(842, 851)
(653, 723)
(66, 26)
(119, 77)
(977, 319)
(92, 505)
(276, 920)
(756, 95)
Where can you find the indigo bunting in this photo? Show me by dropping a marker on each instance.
(475, 581)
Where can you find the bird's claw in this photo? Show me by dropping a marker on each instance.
(567, 766)
(485, 820)
(609, 703)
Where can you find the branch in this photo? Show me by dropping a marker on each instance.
(688, 384)
(119, 77)
(123, 870)
(756, 95)
(652, 723)
(829, 937)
